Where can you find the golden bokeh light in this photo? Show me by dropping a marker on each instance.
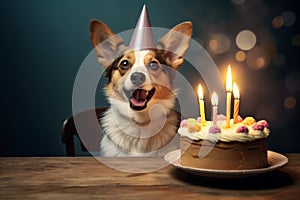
(245, 40)
(213, 44)
(277, 22)
(258, 58)
(219, 43)
(260, 62)
(289, 102)
(240, 56)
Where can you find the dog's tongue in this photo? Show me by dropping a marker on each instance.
(138, 97)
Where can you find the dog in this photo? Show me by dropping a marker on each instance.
(140, 89)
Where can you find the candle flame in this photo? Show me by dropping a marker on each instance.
(236, 92)
(229, 80)
(214, 99)
(200, 91)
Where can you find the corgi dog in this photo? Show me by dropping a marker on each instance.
(141, 120)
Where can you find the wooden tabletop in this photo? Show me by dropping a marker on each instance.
(87, 178)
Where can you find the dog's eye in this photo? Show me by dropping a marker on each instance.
(124, 65)
(154, 65)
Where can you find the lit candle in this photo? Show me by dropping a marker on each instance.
(201, 104)
(214, 102)
(236, 95)
(228, 91)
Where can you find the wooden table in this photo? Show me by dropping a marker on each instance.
(87, 178)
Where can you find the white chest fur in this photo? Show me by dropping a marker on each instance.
(123, 137)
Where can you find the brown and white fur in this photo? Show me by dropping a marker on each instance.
(140, 90)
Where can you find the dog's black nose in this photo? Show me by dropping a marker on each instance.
(138, 78)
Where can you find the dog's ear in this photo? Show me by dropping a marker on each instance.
(175, 44)
(110, 46)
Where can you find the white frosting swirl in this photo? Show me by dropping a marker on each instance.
(226, 135)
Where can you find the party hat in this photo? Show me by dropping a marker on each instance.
(142, 37)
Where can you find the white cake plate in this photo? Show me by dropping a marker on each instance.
(275, 161)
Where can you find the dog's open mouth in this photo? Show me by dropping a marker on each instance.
(139, 98)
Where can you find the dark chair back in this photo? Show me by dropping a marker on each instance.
(69, 132)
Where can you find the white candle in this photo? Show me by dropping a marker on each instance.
(214, 102)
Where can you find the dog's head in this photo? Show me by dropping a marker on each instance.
(140, 78)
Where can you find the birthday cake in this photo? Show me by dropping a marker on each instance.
(242, 146)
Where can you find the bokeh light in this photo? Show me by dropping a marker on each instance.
(213, 44)
(257, 58)
(245, 40)
(277, 22)
(260, 62)
(219, 43)
(296, 40)
(240, 56)
(289, 102)
(289, 18)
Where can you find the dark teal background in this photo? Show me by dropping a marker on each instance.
(43, 44)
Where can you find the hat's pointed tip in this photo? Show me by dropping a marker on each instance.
(143, 20)
(144, 7)
(142, 37)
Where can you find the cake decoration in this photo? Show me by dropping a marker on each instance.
(200, 120)
(242, 129)
(193, 125)
(192, 129)
(224, 143)
(239, 119)
(183, 123)
(214, 129)
(258, 127)
(264, 123)
(249, 121)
